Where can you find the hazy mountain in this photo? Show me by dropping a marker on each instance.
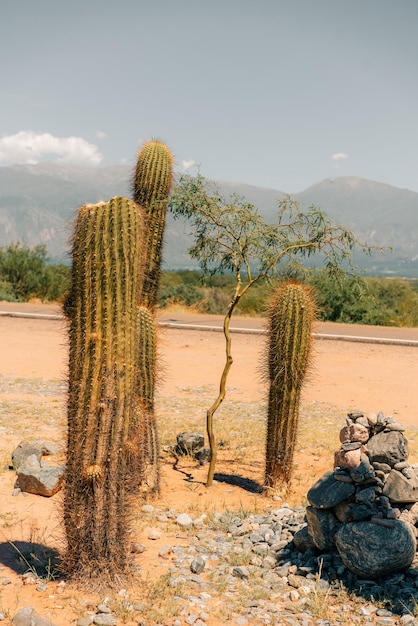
(38, 204)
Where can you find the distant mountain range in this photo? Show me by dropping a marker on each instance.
(38, 204)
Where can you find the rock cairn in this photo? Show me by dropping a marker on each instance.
(366, 507)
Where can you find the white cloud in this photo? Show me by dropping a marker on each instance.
(188, 164)
(27, 146)
(339, 156)
(100, 134)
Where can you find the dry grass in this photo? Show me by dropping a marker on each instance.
(33, 407)
(36, 407)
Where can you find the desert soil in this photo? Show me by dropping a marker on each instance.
(33, 356)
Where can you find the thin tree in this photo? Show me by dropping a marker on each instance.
(230, 235)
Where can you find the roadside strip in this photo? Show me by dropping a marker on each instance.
(247, 331)
(259, 331)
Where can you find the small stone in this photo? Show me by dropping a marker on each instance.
(137, 548)
(165, 551)
(147, 508)
(154, 534)
(395, 427)
(355, 433)
(203, 455)
(198, 565)
(342, 476)
(383, 467)
(384, 613)
(103, 608)
(184, 520)
(104, 619)
(348, 446)
(241, 572)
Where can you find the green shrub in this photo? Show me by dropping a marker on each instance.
(7, 293)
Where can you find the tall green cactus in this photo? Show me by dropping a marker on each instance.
(151, 186)
(103, 378)
(291, 317)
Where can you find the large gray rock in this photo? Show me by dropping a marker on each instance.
(28, 447)
(398, 488)
(371, 550)
(328, 492)
(40, 480)
(388, 447)
(322, 525)
(189, 442)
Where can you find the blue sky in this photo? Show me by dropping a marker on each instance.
(274, 93)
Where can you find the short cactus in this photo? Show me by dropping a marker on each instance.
(103, 375)
(291, 317)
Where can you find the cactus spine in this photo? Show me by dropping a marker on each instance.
(102, 398)
(151, 187)
(291, 317)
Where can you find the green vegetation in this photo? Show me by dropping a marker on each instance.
(366, 300)
(27, 273)
(230, 235)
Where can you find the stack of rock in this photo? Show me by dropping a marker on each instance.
(366, 508)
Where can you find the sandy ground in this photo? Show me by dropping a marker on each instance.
(344, 375)
(372, 377)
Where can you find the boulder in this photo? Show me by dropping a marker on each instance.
(398, 488)
(189, 442)
(39, 447)
(388, 447)
(40, 480)
(373, 550)
(327, 492)
(322, 525)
